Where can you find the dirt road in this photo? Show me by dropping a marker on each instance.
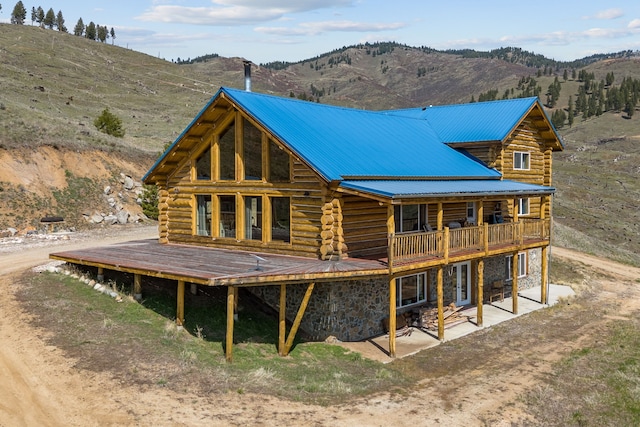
(39, 387)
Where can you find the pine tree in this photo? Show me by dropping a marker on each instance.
(50, 19)
(90, 31)
(19, 14)
(113, 35)
(101, 33)
(40, 16)
(60, 22)
(78, 30)
(34, 15)
(570, 113)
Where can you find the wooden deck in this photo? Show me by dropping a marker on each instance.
(217, 267)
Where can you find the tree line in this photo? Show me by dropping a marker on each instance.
(52, 20)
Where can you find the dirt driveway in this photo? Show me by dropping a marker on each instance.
(39, 386)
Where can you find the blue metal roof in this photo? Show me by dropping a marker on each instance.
(478, 121)
(422, 188)
(341, 143)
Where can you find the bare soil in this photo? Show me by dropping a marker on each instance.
(40, 386)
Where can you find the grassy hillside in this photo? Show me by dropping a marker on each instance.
(53, 85)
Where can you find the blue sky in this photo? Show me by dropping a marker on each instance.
(288, 30)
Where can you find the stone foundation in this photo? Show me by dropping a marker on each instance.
(353, 310)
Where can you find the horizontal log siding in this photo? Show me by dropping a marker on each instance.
(525, 138)
(364, 224)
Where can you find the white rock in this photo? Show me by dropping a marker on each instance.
(107, 190)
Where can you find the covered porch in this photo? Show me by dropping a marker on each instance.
(377, 348)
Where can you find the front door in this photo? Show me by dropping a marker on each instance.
(461, 275)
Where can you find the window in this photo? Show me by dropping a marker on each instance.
(471, 212)
(281, 219)
(523, 207)
(252, 147)
(203, 166)
(203, 215)
(279, 168)
(410, 217)
(521, 160)
(227, 216)
(253, 218)
(411, 290)
(522, 265)
(227, 143)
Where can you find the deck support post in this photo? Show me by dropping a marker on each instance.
(100, 276)
(480, 292)
(514, 282)
(282, 319)
(137, 287)
(544, 297)
(180, 304)
(440, 305)
(231, 296)
(298, 319)
(392, 317)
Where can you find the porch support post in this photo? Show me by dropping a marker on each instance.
(282, 320)
(137, 287)
(480, 291)
(392, 316)
(180, 304)
(100, 276)
(231, 296)
(514, 282)
(440, 216)
(544, 282)
(298, 319)
(440, 305)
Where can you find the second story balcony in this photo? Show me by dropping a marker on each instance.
(408, 250)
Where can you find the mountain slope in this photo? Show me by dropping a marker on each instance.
(53, 85)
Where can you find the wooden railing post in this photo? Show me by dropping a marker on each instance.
(446, 244)
(485, 238)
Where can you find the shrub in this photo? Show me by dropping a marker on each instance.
(150, 201)
(109, 123)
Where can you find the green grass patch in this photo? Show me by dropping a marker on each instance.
(140, 343)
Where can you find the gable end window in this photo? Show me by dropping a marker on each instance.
(203, 166)
(521, 160)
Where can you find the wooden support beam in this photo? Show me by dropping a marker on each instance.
(100, 276)
(282, 319)
(392, 317)
(298, 319)
(480, 275)
(446, 245)
(544, 297)
(485, 238)
(180, 304)
(137, 287)
(231, 297)
(440, 216)
(440, 305)
(514, 282)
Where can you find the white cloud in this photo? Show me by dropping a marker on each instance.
(609, 14)
(634, 24)
(315, 28)
(235, 12)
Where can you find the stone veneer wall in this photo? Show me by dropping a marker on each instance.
(353, 310)
(349, 310)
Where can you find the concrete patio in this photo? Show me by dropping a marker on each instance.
(499, 311)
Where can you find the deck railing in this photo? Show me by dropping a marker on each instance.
(409, 246)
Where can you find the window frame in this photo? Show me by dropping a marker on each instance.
(421, 281)
(524, 160)
(423, 210)
(522, 265)
(198, 229)
(522, 203)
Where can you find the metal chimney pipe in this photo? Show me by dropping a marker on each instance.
(247, 75)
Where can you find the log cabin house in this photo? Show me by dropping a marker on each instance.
(352, 217)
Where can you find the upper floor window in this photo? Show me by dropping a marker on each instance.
(410, 218)
(253, 217)
(521, 160)
(279, 165)
(281, 219)
(523, 207)
(227, 144)
(522, 265)
(227, 216)
(203, 166)
(252, 151)
(411, 290)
